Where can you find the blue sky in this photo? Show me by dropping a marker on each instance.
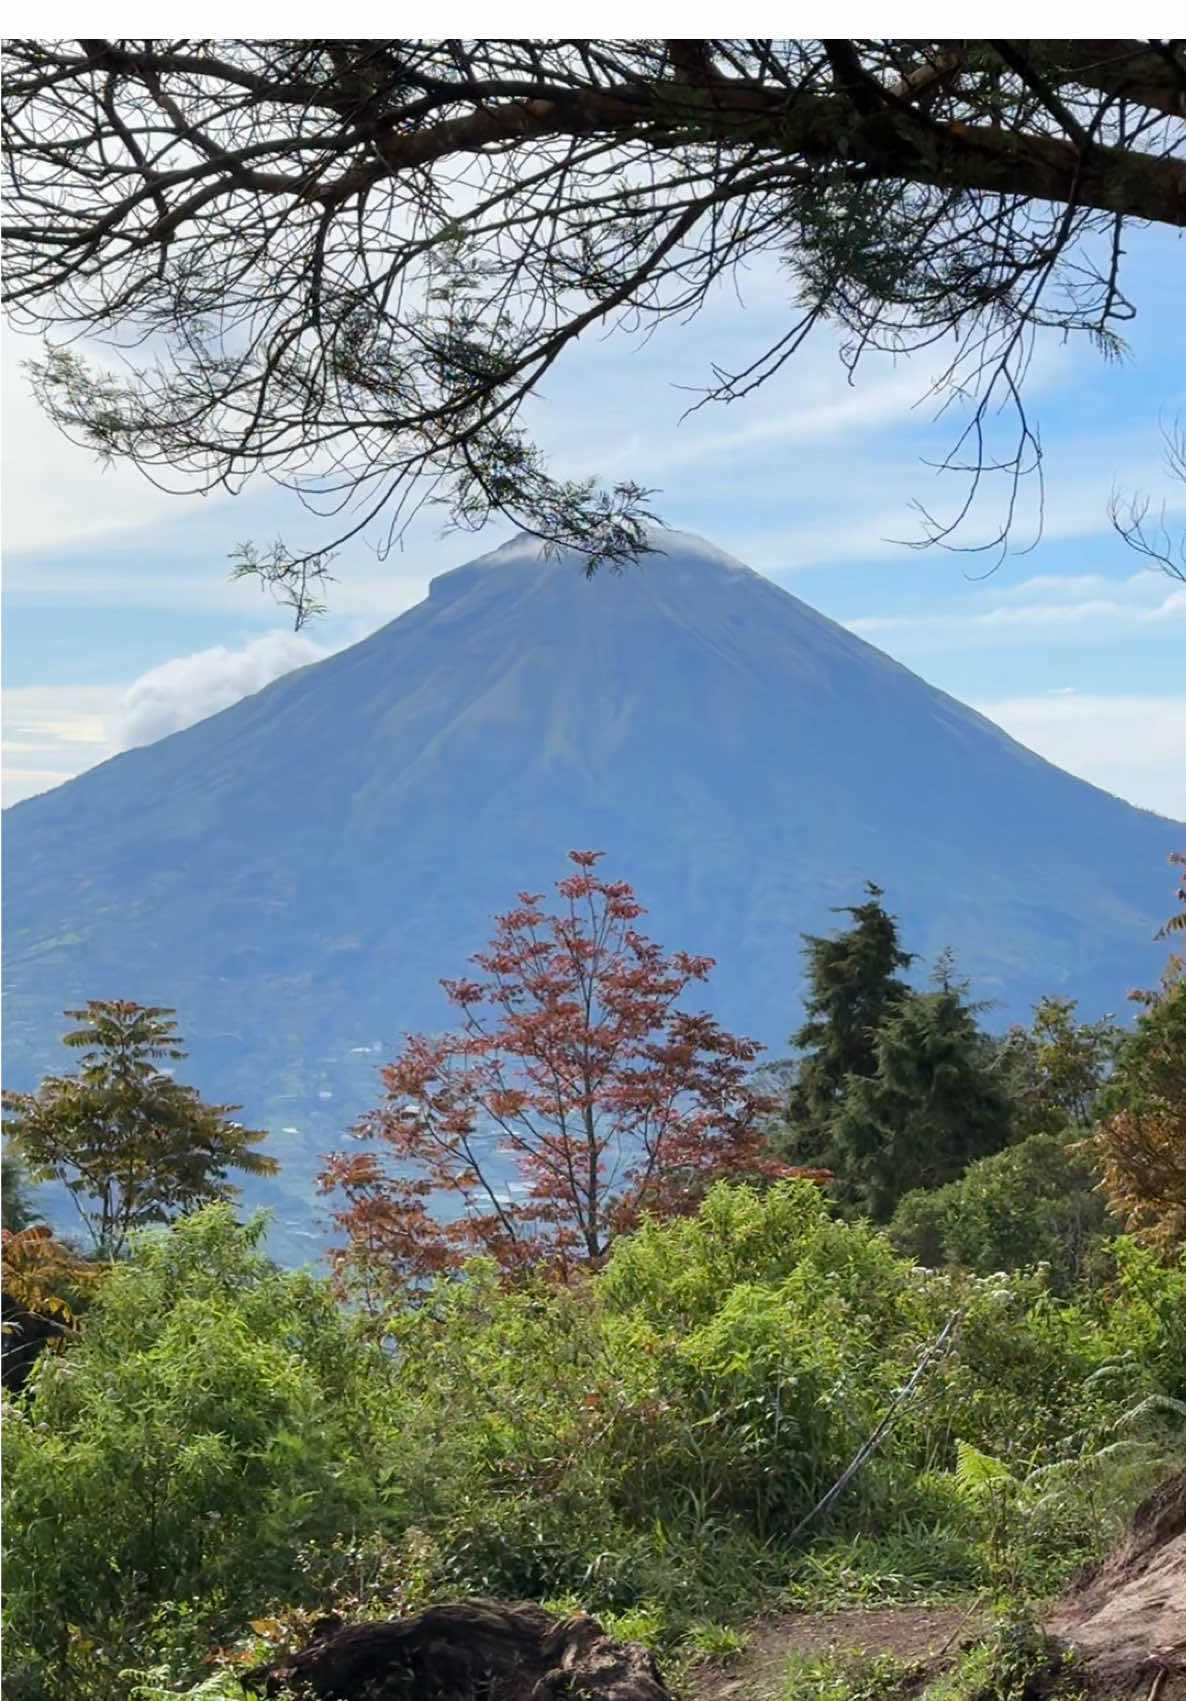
(121, 622)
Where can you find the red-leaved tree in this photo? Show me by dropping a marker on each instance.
(572, 1067)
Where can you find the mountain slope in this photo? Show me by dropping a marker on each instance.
(294, 873)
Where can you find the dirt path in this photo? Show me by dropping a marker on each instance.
(913, 1633)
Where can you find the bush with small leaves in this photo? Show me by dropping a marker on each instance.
(217, 1414)
(1034, 1203)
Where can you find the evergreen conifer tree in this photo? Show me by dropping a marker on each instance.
(934, 1103)
(853, 987)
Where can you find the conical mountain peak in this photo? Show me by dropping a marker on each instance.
(526, 553)
(296, 873)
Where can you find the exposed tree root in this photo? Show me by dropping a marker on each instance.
(465, 1651)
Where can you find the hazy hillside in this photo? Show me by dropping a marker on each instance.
(295, 873)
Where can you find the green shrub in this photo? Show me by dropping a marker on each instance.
(216, 1416)
(1149, 1319)
(652, 1437)
(1034, 1203)
(644, 1442)
(1016, 1661)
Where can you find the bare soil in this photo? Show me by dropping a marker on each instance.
(1125, 1618)
(928, 1636)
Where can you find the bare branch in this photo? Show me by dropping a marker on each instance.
(1153, 537)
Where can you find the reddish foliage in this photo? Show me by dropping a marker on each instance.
(573, 1062)
(1177, 923)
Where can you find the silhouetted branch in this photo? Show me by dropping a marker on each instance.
(1150, 534)
(346, 264)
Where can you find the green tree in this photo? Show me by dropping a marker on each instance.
(934, 1103)
(132, 1145)
(1035, 1202)
(356, 259)
(852, 988)
(17, 1209)
(1056, 1067)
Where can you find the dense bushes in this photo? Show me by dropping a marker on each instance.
(652, 1438)
(217, 1416)
(223, 1444)
(1035, 1202)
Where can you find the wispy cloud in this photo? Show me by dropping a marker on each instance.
(54, 732)
(872, 518)
(862, 408)
(58, 495)
(364, 587)
(1133, 746)
(1094, 617)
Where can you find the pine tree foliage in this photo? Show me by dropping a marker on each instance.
(853, 986)
(934, 1104)
(895, 1089)
(346, 265)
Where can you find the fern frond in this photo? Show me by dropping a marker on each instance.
(1163, 1405)
(977, 1472)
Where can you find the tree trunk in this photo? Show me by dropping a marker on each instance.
(463, 1651)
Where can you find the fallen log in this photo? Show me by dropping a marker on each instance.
(470, 1650)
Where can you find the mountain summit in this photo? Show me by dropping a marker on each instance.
(294, 873)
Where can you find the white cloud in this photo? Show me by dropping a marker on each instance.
(1132, 746)
(52, 732)
(56, 494)
(1069, 586)
(863, 408)
(1135, 605)
(190, 688)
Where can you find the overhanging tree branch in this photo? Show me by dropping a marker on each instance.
(347, 264)
(1151, 535)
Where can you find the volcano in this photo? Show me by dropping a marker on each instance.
(294, 873)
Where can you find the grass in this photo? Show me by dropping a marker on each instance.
(1016, 1661)
(920, 1566)
(712, 1643)
(847, 1675)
